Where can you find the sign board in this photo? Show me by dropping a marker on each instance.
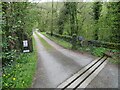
(25, 43)
(26, 51)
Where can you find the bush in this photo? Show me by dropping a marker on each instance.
(64, 37)
(74, 41)
(67, 38)
(98, 51)
(9, 57)
(20, 73)
(104, 44)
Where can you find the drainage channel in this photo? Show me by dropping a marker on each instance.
(82, 78)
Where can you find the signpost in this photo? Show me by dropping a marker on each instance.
(25, 46)
(25, 43)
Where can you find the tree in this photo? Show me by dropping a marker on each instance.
(69, 11)
(52, 20)
(97, 11)
(16, 26)
(114, 16)
(62, 18)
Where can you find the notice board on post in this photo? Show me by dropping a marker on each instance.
(27, 45)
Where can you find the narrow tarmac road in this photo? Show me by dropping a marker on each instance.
(57, 64)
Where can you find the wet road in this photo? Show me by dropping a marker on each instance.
(107, 78)
(56, 64)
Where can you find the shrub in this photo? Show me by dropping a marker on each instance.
(74, 41)
(9, 57)
(64, 37)
(67, 38)
(98, 51)
(104, 44)
(20, 73)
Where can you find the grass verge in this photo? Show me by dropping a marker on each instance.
(45, 44)
(96, 51)
(20, 74)
(59, 41)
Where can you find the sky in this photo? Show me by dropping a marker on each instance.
(65, 0)
(45, 0)
(40, 1)
(61, 0)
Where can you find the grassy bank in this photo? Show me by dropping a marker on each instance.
(96, 51)
(45, 44)
(20, 74)
(59, 41)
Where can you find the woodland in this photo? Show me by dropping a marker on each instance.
(95, 22)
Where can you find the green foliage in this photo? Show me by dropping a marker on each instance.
(67, 38)
(9, 57)
(94, 50)
(69, 11)
(74, 41)
(109, 22)
(64, 37)
(97, 20)
(103, 44)
(115, 58)
(94, 21)
(46, 45)
(114, 15)
(20, 74)
(59, 41)
(97, 10)
(98, 51)
(17, 26)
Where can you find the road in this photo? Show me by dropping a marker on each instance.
(58, 64)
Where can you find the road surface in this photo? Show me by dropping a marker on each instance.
(58, 64)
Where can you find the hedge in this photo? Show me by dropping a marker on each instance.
(104, 44)
(64, 37)
(89, 42)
